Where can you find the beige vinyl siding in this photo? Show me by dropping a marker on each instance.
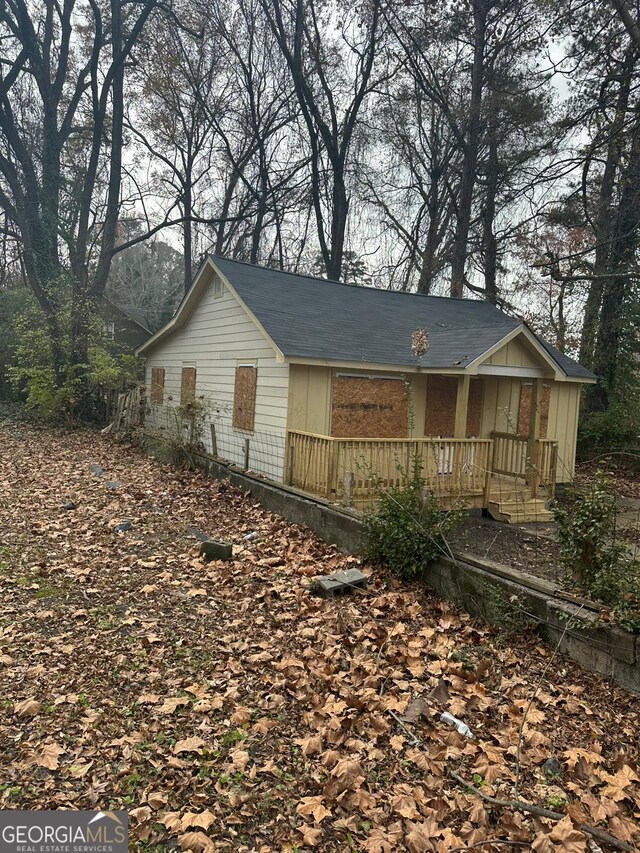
(517, 353)
(219, 336)
(500, 413)
(564, 409)
(310, 399)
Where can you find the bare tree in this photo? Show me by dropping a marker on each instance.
(330, 51)
(179, 95)
(61, 118)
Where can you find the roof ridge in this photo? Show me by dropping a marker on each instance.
(355, 286)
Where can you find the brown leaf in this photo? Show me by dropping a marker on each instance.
(567, 838)
(79, 771)
(348, 771)
(202, 820)
(405, 805)
(28, 708)
(204, 705)
(239, 759)
(157, 800)
(172, 821)
(196, 841)
(241, 716)
(48, 756)
(310, 836)
(441, 692)
(417, 708)
(190, 744)
(171, 704)
(312, 807)
(141, 814)
(419, 837)
(310, 745)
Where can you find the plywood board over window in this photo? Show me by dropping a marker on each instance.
(188, 386)
(474, 410)
(244, 397)
(524, 410)
(440, 413)
(369, 407)
(157, 384)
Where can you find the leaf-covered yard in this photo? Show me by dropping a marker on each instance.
(228, 709)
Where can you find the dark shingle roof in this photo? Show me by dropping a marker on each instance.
(320, 319)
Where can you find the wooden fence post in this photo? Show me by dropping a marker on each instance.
(289, 468)
(214, 440)
(246, 454)
(332, 469)
(488, 473)
(349, 478)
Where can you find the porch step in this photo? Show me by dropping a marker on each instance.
(520, 511)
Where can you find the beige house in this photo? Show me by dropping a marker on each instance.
(325, 386)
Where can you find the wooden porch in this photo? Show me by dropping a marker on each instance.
(507, 474)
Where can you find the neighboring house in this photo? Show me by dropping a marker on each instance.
(320, 378)
(123, 329)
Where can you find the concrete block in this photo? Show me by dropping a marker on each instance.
(212, 550)
(623, 645)
(338, 583)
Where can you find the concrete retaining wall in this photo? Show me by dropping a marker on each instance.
(565, 621)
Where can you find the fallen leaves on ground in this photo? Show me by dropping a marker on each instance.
(229, 710)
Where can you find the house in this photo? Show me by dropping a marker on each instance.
(123, 329)
(314, 383)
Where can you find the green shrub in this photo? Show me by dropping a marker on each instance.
(32, 374)
(601, 567)
(600, 432)
(408, 528)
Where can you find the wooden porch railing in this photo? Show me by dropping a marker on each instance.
(511, 457)
(352, 469)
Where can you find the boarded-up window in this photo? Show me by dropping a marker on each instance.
(474, 410)
(188, 386)
(157, 384)
(440, 415)
(524, 410)
(442, 398)
(369, 407)
(244, 397)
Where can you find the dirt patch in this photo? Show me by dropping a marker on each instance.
(531, 548)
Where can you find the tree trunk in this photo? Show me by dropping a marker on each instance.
(187, 232)
(470, 154)
(604, 218)
(339, 213)
(608, 361)
(489, 242)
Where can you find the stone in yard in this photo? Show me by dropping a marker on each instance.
(552, 767)
(113, 484)
(200, 536)
(96, 469)
(122, 527)
(338, 583)
(212, 550)
(68, 505)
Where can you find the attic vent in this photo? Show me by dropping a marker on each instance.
(218, 287)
